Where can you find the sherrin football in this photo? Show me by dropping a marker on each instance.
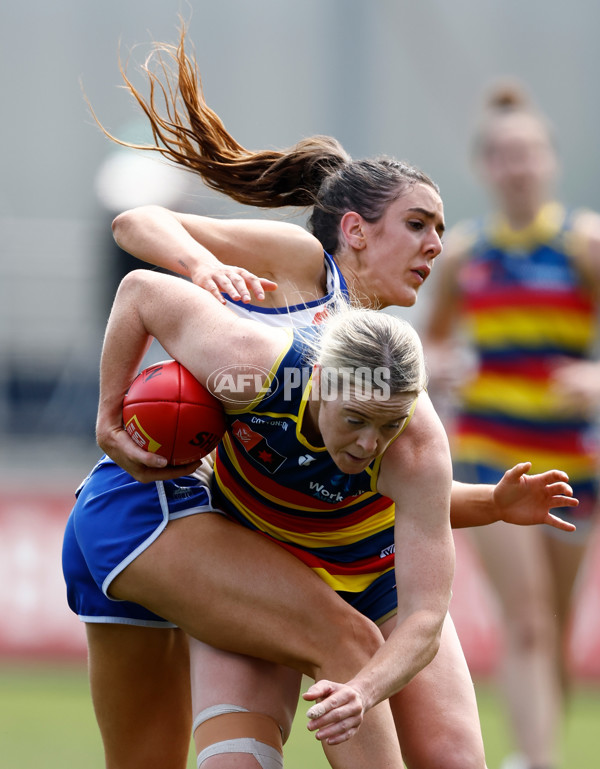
(168, 412)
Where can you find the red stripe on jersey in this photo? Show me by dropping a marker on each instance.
(302, 520)
(364, 566)
(567, 441)
(513, 296)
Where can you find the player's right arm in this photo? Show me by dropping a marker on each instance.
(221, 255)
(194, 329)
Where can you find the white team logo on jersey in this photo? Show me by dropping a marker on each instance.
(305, 459)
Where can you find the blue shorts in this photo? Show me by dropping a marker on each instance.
(379, 601)
(115, 518)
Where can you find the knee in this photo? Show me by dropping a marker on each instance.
(356, 641)
(532, 628)
(224, 729)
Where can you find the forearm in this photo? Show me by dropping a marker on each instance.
(125, 343)
(155, 235)
(410, 647)
(472, 504)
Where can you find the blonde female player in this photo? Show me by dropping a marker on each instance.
(407, 239)
(348, 533)
(523, 285)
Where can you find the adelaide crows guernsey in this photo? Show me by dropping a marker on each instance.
(526, 309)
(270, 478)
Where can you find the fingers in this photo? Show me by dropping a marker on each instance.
(522, 467)
(238, 283)
(127, 450)
(554, 476)
(144, 466)
(145, 474)
(337, 717)
(339, 731)
(559, 501)
(317, 691)
(558, 523)
(209, 285)
(518, 470)
(562, 490)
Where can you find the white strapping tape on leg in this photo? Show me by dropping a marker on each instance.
(253, 733)
(266, 756)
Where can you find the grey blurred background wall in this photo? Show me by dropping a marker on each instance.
(383, 76)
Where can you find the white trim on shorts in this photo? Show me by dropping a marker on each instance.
(208, 508)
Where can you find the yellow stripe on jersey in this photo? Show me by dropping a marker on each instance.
(513, 395)
(227, 444)
(570, 328)
(479, 449)
(348, 583)
(348, 535)
(544, 228)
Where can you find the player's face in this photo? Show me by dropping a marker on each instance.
(518, 163)
(401, 246)
(355, 432)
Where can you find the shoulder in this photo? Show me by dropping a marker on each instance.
(459, 244)
(420, 453)
(462, 238)
(586, 223)
(583, 243)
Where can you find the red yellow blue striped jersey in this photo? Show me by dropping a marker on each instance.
(270, 478)
(526, 308)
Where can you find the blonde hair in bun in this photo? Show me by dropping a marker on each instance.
(504, 98)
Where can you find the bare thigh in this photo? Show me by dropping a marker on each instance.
(233, 589)
(565, 558)
(140, 686)
(516, 561)
(436, 713)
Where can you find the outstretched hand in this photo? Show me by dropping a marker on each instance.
(144, 466)
(338, 712)
(527, 499)
(237, 282)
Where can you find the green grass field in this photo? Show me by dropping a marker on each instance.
(46, 719)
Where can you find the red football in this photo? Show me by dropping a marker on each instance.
(168, 412)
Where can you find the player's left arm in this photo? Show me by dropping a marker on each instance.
(576, 383)
(416, 473)
(585, 248)
(517, 498)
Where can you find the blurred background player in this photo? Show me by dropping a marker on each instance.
(522, 287)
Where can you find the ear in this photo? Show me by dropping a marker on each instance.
(352, 227)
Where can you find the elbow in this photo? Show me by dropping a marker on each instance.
(436, 640)
(129, 222)
(121, 225)
(435, 625)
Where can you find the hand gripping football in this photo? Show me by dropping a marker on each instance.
(168, 412)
